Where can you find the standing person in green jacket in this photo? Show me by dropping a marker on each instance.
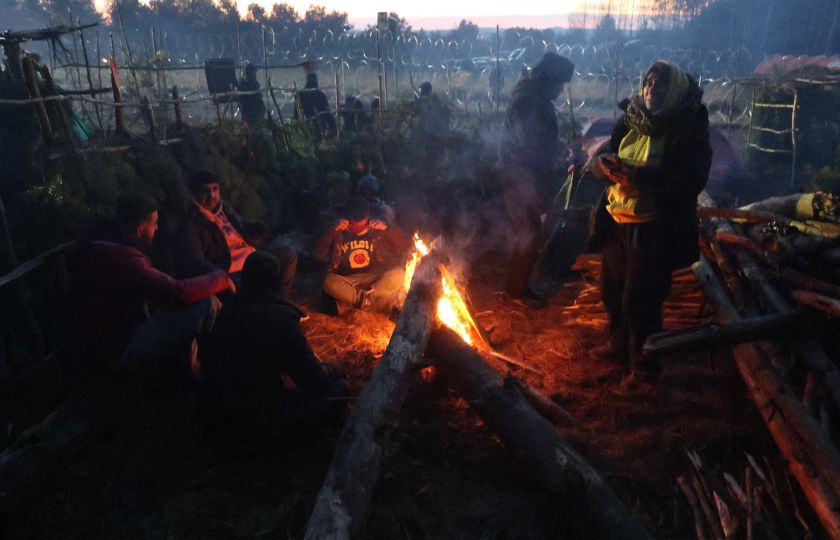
(645, 225)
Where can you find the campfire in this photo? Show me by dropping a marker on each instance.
(452, 310)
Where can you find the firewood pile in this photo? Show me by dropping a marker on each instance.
(770, 272)
(754, 503)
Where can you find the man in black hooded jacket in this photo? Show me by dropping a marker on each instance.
(256, 341)
(645, 225)
(533, 163)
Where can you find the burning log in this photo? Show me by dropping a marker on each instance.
(812, 458)
(550, 459)
(341, 507)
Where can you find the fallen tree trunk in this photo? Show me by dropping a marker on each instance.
(707, 336)
(812, 458)
(342, 505)
(550, 460)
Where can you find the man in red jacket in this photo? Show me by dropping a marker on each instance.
(122, 306)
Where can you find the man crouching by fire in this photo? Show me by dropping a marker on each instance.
(366, 260)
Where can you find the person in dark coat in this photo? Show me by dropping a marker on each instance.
(354, 116)
(645, 225)
(366, 259)
(121, 305)
(315, 108)
(212, 235)
(251, 105)
(256, 344)
(533, 163)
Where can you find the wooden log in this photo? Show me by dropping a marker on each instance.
(541, 403)
(550, 460)
(750, 216)
(804, 281)
(820, 302)
(748, 244)
(822, 367)
(747, 266)
(812, 458)
(708, 336)
(341, 508)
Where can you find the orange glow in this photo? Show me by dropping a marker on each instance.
(420, 251)
(452, 311)
(451, 308)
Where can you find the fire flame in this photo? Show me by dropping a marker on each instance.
(451, 308)
(420, 251)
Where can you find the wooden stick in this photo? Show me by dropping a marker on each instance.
(549, 459)
(342, 505)
(699, 530)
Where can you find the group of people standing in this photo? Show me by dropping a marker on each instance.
(645, 225)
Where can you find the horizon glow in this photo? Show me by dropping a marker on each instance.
(443, 15)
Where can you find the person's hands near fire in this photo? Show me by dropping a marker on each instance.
(341, 225)
(377, 225)
(612, 168)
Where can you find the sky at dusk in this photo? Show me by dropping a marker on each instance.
(445, 14)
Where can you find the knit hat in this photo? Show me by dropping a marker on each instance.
(262, 271)
(202, 177)
(356, 208)
(311, 81)
(553, 67)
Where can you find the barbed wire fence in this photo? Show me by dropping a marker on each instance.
(351, 62)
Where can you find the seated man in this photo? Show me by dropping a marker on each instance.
(257, 340)
(367, 259)
(113, 284)
(213, 235)
(251, 105)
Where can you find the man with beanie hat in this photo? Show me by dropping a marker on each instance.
(367, 259)
(257, 340)
(212, 234)
(645, 225)
(533, 163)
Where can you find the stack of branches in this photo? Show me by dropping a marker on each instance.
(754, 504)
(777, 309)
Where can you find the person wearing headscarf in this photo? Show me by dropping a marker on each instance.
(645, 225)
(533, 163)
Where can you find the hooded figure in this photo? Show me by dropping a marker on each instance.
(315, 108)
(533, 162)
(646, 224)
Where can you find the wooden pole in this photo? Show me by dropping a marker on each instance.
(34, 92)
(548, 458)
(90, 76)
(342, 505)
